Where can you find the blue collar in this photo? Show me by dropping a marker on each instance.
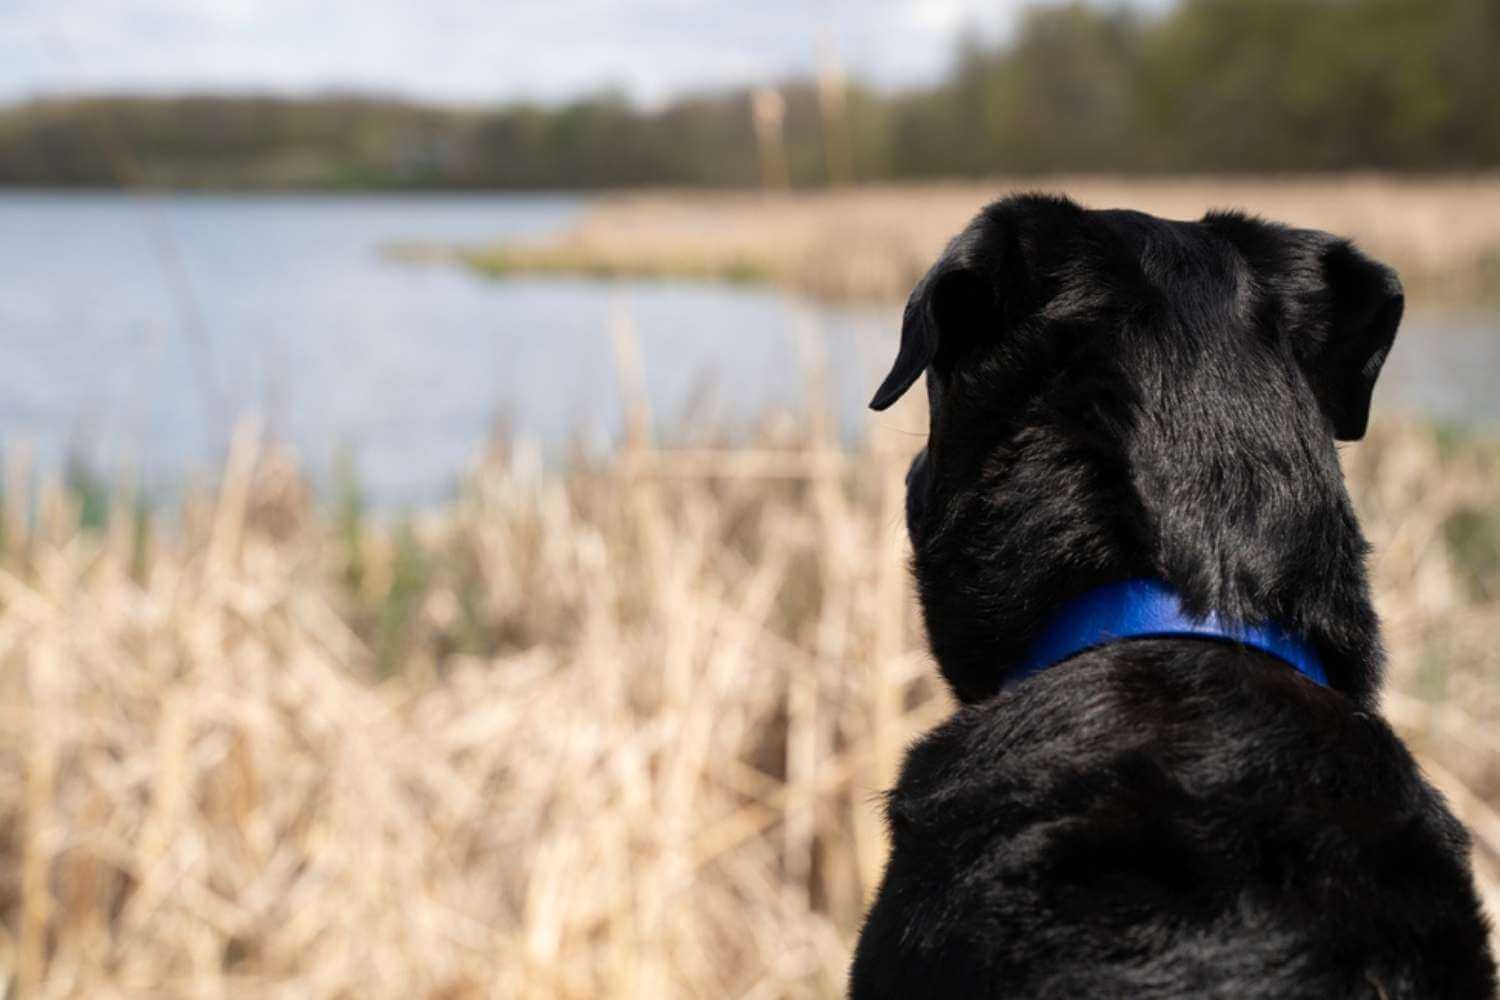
(1135, 609)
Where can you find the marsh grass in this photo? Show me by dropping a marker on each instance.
(614, 730)
(872, 243)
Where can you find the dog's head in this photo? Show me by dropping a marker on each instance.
(1114, 395)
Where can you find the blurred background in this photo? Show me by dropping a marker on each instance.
(443, 550)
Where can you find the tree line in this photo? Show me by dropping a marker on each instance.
(1208, 85)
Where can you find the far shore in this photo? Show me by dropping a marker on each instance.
(872, 243)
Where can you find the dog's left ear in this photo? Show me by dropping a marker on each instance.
(1342, 357)
(950, 310)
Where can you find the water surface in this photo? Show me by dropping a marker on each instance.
(133, 330)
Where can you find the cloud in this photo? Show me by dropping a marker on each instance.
(473, 50)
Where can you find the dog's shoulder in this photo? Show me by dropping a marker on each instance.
(1173, 819)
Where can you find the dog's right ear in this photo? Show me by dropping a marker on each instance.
(1342, 356)
(950, 311)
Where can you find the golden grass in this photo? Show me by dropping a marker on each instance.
(874, 242)
(643, 714)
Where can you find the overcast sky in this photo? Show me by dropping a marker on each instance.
(472, 50)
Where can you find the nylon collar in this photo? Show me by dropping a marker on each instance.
(1139, 609)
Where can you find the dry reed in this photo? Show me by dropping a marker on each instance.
(874, 242)
(642, 714)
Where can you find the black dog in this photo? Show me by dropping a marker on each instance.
(1116, 397)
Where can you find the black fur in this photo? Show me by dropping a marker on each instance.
(1116, 396)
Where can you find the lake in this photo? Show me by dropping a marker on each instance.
(135, 330)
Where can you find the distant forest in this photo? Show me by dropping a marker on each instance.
(1209, 85)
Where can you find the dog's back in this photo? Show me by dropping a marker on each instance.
(1118, 400)
(1167, 819)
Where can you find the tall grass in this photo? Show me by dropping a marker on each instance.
(617, 730)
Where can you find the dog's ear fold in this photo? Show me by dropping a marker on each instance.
(949, 312)
(1342, 359)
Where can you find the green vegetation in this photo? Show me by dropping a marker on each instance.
(580, 261)
(1473, 538)
(1211, 85)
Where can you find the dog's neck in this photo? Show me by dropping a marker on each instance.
(1247, 513)
(1248, 521)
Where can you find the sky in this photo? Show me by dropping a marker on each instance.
(475, 51)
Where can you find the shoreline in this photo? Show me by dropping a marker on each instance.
(871, 244)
